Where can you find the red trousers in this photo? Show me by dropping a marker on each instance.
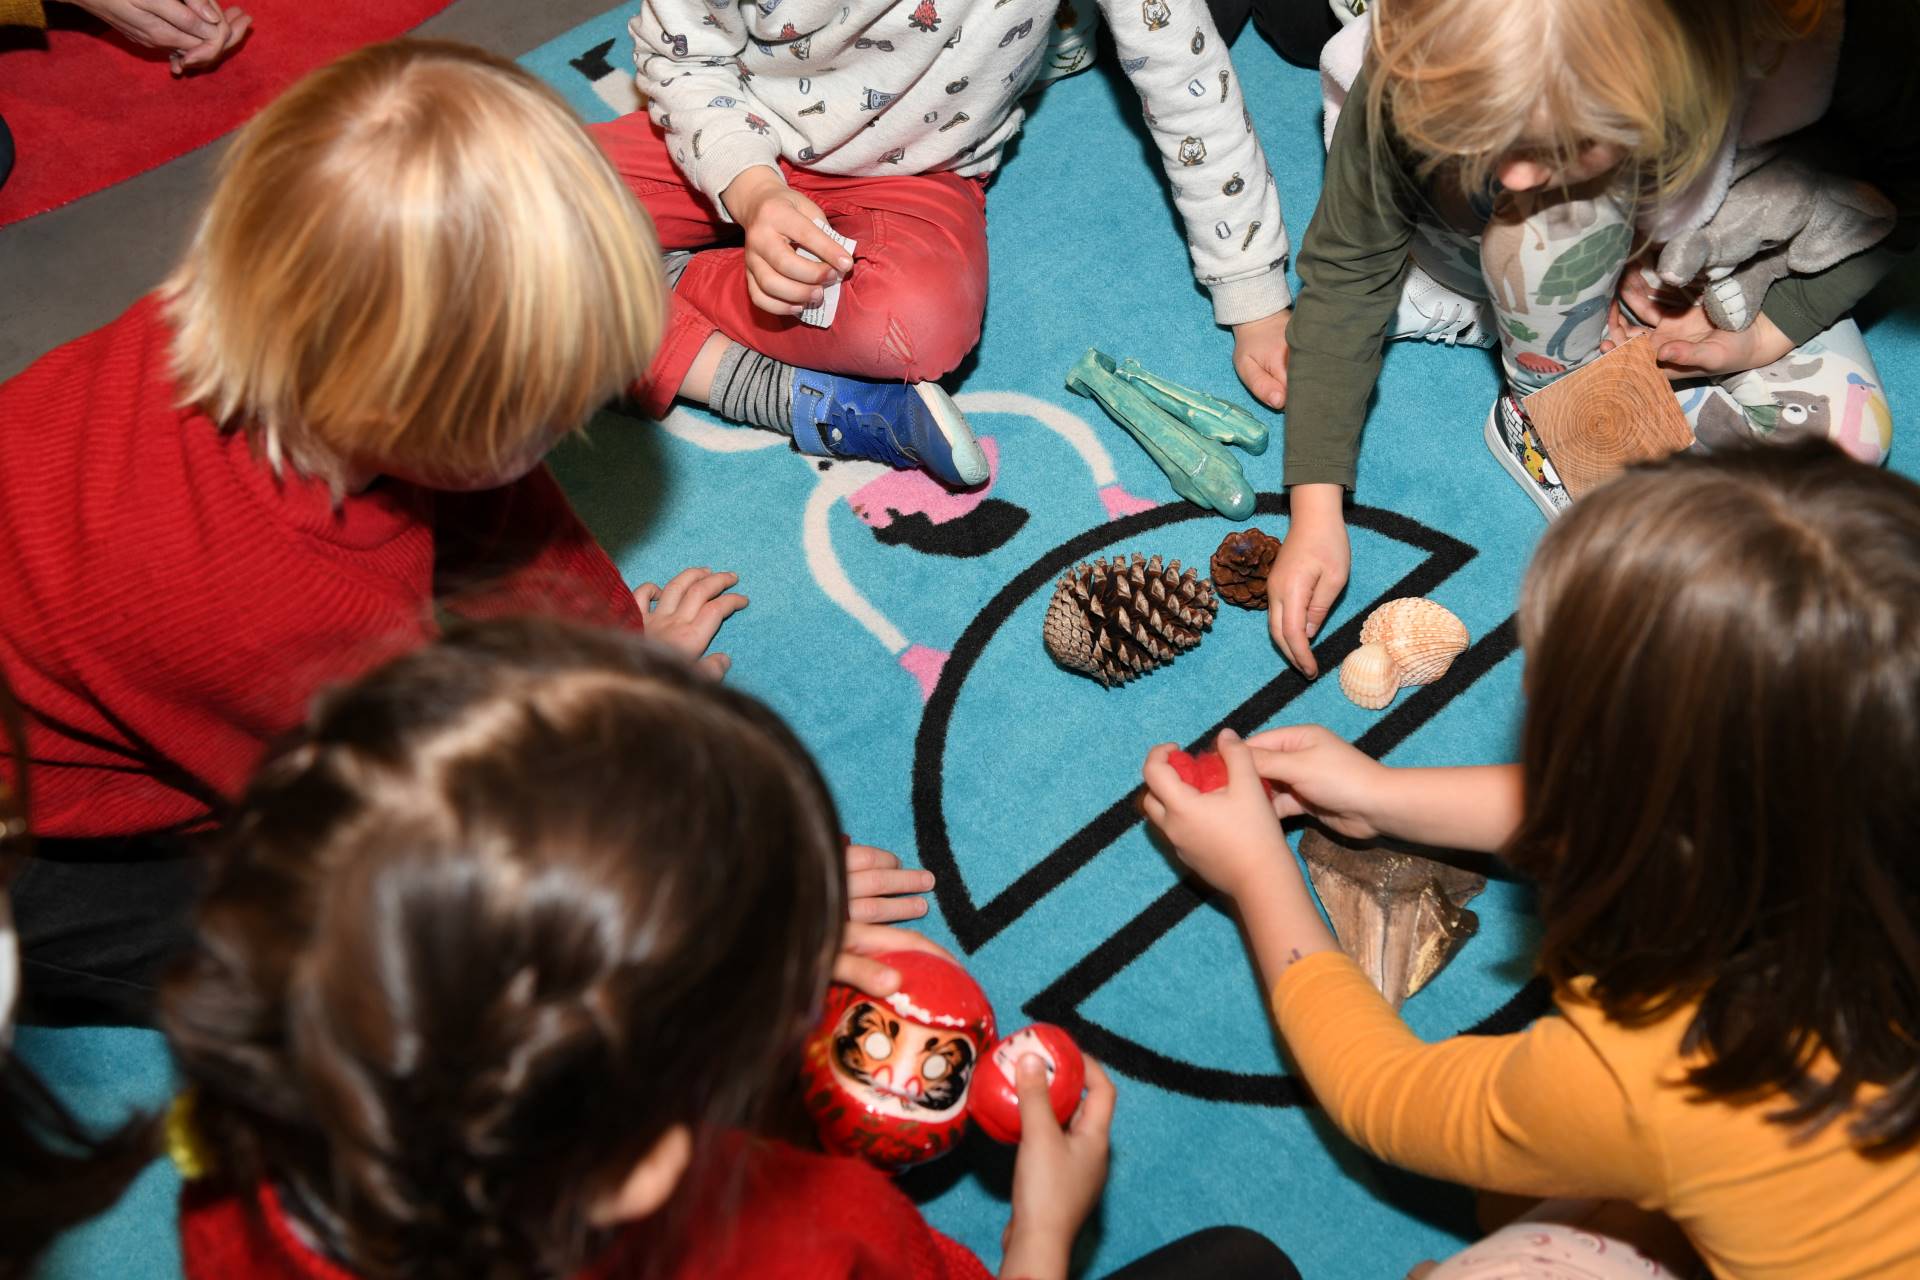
(910, 310)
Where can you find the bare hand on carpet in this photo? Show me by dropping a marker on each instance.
(1309, 573)
(1260, 357)
(880, 890)
(686, 614)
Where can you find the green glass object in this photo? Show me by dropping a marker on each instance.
(1211, 416)
(1202, 471)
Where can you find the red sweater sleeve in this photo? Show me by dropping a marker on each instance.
(171, 605)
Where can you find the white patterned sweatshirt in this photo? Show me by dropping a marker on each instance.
(869, 87)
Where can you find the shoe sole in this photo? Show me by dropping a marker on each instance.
(1511, 465)
(969, 461)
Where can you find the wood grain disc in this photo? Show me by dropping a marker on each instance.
(1618, 410)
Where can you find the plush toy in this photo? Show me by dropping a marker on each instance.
(1780, 216)
(894, 1080)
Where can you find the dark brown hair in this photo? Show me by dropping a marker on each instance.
(508, 910)
(54, 1171)
(1723, 715)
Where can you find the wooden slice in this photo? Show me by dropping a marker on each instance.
(1619, 409)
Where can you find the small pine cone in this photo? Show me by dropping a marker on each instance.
(1117, 619)
(1241, 565)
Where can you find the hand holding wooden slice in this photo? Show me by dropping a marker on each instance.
(1604, 416)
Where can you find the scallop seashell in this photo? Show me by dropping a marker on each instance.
(1368, 677)
(1422, 638)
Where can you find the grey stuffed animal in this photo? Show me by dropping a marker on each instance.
(1780, 215)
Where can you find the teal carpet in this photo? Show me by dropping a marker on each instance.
(898, 628)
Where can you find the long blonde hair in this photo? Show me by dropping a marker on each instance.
(417, 260)
(1462, 81)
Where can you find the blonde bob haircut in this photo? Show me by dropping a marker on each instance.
(1464, 81)
(415, 262)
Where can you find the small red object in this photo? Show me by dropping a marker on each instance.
(996, 1098)
(1204, 772)
(889, 1079)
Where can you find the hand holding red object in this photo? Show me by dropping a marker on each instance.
(1204, 772)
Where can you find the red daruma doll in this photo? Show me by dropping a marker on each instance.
(893, 1080)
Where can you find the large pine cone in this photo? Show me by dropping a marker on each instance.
(1241, 565)
(1117, 619)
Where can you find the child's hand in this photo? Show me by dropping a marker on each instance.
(879, 891)
(686, 614)
(194, 34)
(1317, 773)
(1260, 357)
(856, 966)
(1230, 837)
(1309, 573)
(1685, 342)
(1058, 1175)
(776, 218)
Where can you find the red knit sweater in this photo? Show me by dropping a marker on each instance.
(168, 605)
(801, 1217)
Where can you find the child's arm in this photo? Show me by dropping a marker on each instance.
(1351, 262)
(1538, 1113)
(1320, 775)
(1191, 98)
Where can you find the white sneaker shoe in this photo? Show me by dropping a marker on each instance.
(1432, 312)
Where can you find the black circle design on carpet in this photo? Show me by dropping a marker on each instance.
(976, 923)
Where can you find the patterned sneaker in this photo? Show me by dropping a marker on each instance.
(1432, 312)
(903, 425)
(1516, 446)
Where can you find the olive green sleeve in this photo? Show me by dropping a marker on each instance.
(1871, 132)
(1350, 263)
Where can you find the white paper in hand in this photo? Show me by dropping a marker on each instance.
(822, 316)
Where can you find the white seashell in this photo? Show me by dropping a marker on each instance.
(1368, 677)
(1422, 638)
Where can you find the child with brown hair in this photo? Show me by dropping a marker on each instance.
(506, 954)
(416, 273)
(1715, 797)
(1510, 159)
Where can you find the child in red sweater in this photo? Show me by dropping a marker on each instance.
(506, 953)
(415, 275)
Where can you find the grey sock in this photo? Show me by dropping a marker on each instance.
(752, 388)
(675, 262)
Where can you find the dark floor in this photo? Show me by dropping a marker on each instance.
(75, 268)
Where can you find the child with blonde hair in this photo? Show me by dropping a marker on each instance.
(1714, 796)
(415, 274)
(1494, 168)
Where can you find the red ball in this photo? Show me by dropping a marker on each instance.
(889, 1079)
(996, 1097)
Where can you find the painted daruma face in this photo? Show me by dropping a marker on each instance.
(888, 1079)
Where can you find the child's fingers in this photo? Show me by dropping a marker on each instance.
(864, 973)
(760, 300)
(1241, 771)
(1162, 782)
(1269, 389)
(885, 883)
(865, 857)
(767, 271)
(715, 665)
(645, 595)
(1295, 594)
(805, 233)
(885, 910)
(677, 587)
(718, 610)
(875, 939)
(706, 587)
(1096, 1109)
(1286, 737)
(1037, 1121)
(1156, 811)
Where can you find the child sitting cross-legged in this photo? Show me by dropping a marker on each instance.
(1715, 796)
(505, 956)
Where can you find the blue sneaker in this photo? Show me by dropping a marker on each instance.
(902, 425)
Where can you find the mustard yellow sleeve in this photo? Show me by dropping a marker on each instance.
(1536, 1113)
(22, 13)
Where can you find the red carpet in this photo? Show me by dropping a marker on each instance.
(88, 110)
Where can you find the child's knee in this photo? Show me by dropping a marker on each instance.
(913, 337)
